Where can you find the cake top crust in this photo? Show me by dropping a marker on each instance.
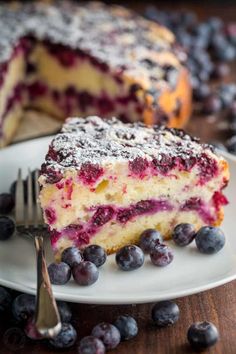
(100, 142)
(116, 36)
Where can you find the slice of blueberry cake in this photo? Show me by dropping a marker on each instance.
(68, 59)
(104, 182)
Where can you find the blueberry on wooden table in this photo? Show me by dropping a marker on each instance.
(66, 337)
(64, 311)
(202, 335)
(23, 307)
(91, 345)
(108, 334)
(127, 327)
(165, 313)
(5, 299)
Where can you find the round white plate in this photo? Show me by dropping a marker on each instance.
(189, 273)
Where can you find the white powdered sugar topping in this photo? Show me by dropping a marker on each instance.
(101, 141)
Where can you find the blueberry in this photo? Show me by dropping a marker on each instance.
(161, 255)
(130, 257)
(64, 311)
(108, 334)
(6, 203)
(95, 254)
(23, 307)
(202, 335)
(66, 338)
(210, 239)
(148, 239)
(183, 234)
(201, 92)
(71, 255)
(85, 273)
(220, 71)
(226, 52)
(91, 345)
(59, 273)
(211, 104)
(227, 94)
(127, 327)
(165, 313)
(5, 299)
(231, 144)
(7, 228)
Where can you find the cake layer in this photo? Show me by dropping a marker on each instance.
(101, 178)
(106, 52)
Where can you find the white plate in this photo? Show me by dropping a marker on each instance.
(190, 272)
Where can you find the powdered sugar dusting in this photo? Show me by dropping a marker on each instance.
(100, 141)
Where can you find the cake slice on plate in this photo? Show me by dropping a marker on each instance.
(104, 182)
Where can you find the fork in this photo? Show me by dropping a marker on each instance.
(29, 222)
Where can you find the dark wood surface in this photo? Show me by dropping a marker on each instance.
(217, 305)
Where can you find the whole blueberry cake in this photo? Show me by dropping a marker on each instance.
(104, 182)
(68, 59)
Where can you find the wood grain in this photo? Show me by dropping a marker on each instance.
(218, 305)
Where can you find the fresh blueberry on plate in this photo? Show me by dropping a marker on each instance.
(7, 228)
(85, 273)
(148, 239)
(183, 234)
(129, 258)
(210, 239)
(161, 255)
(95, 254)
(71, 255)
(59, 273)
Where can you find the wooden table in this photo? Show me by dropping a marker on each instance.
(217, 305)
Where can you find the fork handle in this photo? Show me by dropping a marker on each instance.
(47, 318)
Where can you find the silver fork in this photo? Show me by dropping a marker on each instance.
(29, 222)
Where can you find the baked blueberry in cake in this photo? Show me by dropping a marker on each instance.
(68, 59)
(104, 182)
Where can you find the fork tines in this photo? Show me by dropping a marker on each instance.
(28, 212)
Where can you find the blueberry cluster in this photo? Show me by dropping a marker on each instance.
(83, 266)
(19, 311)
(210, 46)
(131, 257)
(209, 239)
